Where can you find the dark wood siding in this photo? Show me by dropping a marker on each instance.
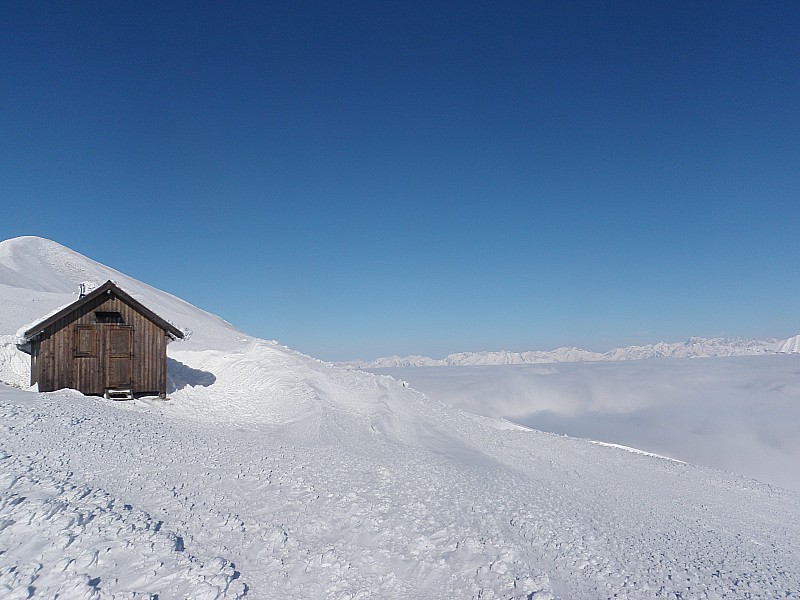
(76, 352)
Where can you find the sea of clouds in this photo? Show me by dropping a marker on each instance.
(740, 414)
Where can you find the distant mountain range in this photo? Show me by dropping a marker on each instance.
(695, 347)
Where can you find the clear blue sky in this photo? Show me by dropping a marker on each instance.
(369, 178)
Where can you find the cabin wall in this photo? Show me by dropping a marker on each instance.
(149, 357)
(58, 366)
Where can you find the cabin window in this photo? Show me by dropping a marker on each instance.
(108, 317)
(85, 340)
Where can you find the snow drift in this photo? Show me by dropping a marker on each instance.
(273, 475)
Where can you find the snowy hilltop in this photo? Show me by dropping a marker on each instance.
(790, 346)
(269, 474)
(695, 347)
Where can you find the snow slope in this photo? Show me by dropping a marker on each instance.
(273, 475)
(695, 347)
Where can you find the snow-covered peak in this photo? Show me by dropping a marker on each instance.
(38, 276)
(43, 265)
(694, 347)
(790, 346)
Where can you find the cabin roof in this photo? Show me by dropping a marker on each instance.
(108, 286)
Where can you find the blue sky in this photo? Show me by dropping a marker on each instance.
(375, 178)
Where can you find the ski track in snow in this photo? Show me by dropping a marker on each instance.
(270, 474)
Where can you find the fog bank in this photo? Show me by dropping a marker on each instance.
(741, 414)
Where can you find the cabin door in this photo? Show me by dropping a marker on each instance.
(119, 356)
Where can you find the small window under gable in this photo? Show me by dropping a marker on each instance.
(108, 317)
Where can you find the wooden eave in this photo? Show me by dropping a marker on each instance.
(108, 286)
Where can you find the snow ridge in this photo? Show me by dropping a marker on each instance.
(695, 347)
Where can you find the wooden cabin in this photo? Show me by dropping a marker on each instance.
(105, 343)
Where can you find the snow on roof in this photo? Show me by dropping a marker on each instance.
(108, 286)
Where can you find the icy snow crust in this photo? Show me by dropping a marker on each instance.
(273, 475)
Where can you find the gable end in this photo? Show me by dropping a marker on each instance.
(108, 288)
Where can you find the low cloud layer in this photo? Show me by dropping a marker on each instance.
(741, 414)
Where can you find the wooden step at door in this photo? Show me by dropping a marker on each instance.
(119, 394)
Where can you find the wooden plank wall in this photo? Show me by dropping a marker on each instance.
(58, 367)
